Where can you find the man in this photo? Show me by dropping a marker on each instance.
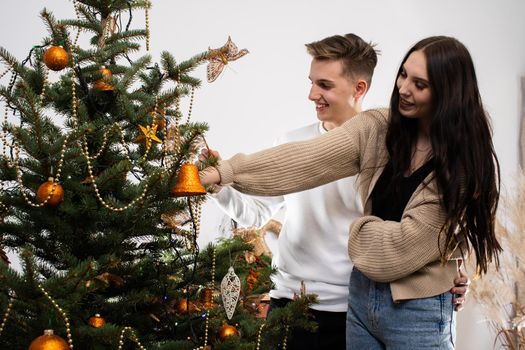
(312, 245)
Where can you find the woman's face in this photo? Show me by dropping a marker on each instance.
(415, 93)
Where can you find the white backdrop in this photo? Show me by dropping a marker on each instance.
(264, 93)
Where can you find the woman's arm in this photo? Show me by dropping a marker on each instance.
(386, 251)
(299, 166)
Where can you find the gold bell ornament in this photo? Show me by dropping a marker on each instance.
(104, 84)
(48, 341)
(188, 183)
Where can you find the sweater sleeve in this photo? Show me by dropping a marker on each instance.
(386, 251)
(247, 210)
(302, 165)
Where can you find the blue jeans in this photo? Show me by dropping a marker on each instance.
(375, 322)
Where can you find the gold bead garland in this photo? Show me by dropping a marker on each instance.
(77, 14)
(146, 10)
(104, 143)
(56, 178)
(109, 24)
(132, 337)
(190, 107)
(259, 334)
(16, 146)
(213, 268)
(44, 85)
(178, 117)
(62, 313)
(196, 207)
(97, 193)
(6, 314)
(4, 137)
(285, 340)
(206, 323)
(5, 72)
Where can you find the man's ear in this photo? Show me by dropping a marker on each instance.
(360, 89)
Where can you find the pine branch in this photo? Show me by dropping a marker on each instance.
(128, 36)
(131, 73)
(85, 25)
(10, 60)
(57, 31)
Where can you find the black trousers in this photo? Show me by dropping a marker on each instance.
(330, 333)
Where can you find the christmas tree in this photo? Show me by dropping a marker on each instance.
(101, 201)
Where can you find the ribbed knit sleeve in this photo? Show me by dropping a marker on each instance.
(299, 166)
(386, 251)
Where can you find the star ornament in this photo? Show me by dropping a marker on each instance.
(149, 135)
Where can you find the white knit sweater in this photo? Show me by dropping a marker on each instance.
(312, 245)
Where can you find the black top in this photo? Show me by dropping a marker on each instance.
(389, 203)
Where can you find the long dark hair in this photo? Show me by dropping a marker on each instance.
(466, 167)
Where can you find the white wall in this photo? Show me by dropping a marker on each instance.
(264, 94)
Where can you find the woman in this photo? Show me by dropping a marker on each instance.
(428, 176)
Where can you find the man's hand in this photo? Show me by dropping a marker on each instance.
(460, 289)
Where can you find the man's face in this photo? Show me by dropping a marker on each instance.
(332, 91)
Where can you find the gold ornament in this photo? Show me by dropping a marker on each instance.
(160, 122)
(207, 298)
(149, 134)
(227, 331)
(56, 58)
(188, 183)
(110, 279)
(48, 341)
(104, 84)
(53, 190)
(219, 58)
(183, 308)
(264, 306)
(255, 237)
(251, 279)
(96, 321)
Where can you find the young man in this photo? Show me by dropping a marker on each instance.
(312, 245)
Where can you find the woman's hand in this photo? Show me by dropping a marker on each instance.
(210, 176)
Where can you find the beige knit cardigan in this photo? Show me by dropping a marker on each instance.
(407, 253)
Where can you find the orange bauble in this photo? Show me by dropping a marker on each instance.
(48, 341)
(104, 84)
(182, 307)
(227, 331)
(56, 58)
(96, 321)
(45, 189)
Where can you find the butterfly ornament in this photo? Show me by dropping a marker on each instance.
(219, 58)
